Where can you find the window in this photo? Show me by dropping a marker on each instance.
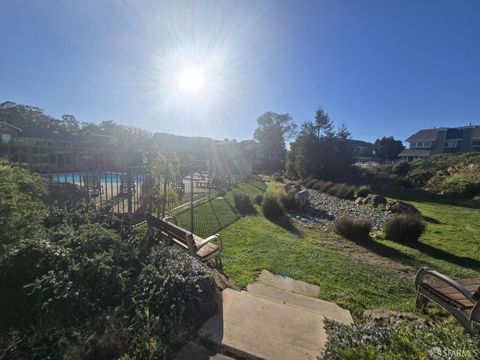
(451, 144)
(476, 143)
(6, 138)
(413, 145)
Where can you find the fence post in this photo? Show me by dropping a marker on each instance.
(191, 201)
(129, 192)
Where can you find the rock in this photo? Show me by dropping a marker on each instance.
(389, 317)
(376, 200)
(292, 186)
(302, 198)
(360, 200)
(324, 209)
(400, 207)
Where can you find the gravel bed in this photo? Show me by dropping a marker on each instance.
(324, 209)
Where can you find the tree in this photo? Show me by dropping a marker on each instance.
(342, 132)
(70, 123)
(324, 157)
(387, 148)
(272, 131)
(323, 124)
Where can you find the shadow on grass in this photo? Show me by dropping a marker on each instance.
(439, 254)
(386, 251)
(435, 253)
(288, 225)
(261, 188)
(430, 220)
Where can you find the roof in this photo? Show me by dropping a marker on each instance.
(13, 126)
(360, 143)
(46, 133)
(414, 152)
(425, 134)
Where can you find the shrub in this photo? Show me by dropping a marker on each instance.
(243, 203)
(272, 209)
(363, 191)
(401, 168)
(21, 208)
(353, 229)
(259, 199)
(289, 200)
(398, 341)
(310, 183)
(404, 228)
(278, 178)
(342, 191)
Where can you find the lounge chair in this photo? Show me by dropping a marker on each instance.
(460, 298)
(92, 184)
(124, 188)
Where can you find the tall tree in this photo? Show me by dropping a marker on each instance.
(343, 133)
(272, 131)
(387, 148)
(323, 124)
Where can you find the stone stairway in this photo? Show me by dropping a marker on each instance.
(276, 318)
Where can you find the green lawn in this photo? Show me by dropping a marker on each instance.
(450, 245)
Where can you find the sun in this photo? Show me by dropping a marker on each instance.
(192, 79)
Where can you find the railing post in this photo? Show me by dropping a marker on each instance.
(129, 192)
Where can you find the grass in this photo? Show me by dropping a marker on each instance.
(253, 243)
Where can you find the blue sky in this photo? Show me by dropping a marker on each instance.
(383, 67)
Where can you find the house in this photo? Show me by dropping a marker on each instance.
(427, 142)
(362, 151)
(56, 149)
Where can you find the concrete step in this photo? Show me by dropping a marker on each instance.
(288, 284)
(321, 307)
(255, 327)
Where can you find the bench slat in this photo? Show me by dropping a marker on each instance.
(178, 235)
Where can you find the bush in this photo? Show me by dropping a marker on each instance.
(401, 168)
(259, 199)
(243, 203)
(404, 228)
(310, 183)
(272, 209)
(342, 191)
(353, 229)
(402, 340)
(289, 200)
(363, 191)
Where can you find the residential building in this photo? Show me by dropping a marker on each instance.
(56, 149)
(362, 151)
(427, 142)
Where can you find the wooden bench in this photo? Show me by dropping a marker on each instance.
(202, 249)
(460, 298)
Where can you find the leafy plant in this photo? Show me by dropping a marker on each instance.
(363, 191)
(289, 200)
(243, 203)
(272, 209)
(404, 228)
(353, 228)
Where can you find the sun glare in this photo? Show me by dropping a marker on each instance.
(192, 79)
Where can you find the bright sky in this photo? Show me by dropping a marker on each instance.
(210, 68)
